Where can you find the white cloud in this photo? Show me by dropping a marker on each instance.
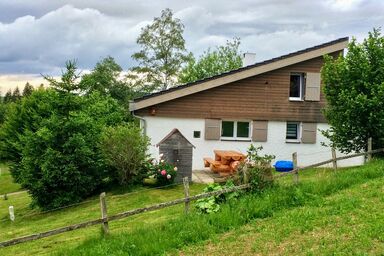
(38, 36)
(66, 33)
(343, 5)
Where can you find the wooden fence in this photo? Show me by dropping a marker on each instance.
(334, 160)
(186, 200)
(105, 219)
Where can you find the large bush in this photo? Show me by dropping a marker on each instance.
(354, 89)
(124, 148)
(52, 140)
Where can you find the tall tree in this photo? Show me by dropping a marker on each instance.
(222, 59)
(28, 89)
(69, 79)
(354, 89)
(3, 109)
(8, 96)
(16, 94)
(162, 53)
(106, 78)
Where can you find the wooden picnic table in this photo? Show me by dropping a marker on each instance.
(225, 162)
(228, 155)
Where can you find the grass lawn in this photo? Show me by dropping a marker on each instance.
(344, 208)
(350, 222)
(33, 221)
(327, 213)
(6, 181)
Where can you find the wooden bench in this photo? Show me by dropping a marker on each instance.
(209, 161)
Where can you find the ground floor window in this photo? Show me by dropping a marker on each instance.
(238, 130)
(293, 131)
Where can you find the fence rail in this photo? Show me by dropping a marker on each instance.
(105, 219)
(296, 169)
(118, 216)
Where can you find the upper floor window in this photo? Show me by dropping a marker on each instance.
(237, 130)
(296, 89)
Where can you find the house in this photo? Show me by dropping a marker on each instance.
(275, 103)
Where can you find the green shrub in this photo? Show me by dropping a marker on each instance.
(52, 140)
(124, 148)
(257, 170)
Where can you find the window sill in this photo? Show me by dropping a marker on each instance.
(295, 99)
(234, 139)
(293, 141)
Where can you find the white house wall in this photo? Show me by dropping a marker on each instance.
(158, 127)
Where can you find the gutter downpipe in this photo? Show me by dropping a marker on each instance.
(140, 118)
(144, 122)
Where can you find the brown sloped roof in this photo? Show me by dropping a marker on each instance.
(233, 72)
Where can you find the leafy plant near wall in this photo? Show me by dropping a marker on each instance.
(257, 170)
(212, 204)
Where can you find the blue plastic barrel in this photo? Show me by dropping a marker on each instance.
(283, 166)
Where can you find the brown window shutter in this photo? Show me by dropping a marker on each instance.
(212, 129)
(309, 131)
(312, 87)
(259, 131)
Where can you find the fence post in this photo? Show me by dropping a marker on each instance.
(296, 173)
(245, 176)
(369, 156)
(186, 193)
(103, 208)
(334, 163)
(11, 213)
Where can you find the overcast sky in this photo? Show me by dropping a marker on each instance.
(38, 36)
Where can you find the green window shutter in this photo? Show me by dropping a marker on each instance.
(312, 87)
(309, 131)
(212, 129)
(259, 131)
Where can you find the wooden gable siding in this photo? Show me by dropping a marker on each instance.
(262, 97)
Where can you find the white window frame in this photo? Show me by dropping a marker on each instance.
(235, 130)
(302, 79)
(299, 132)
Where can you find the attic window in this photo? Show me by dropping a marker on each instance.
(296, 87)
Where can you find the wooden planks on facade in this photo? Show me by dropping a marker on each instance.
(262, 97)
